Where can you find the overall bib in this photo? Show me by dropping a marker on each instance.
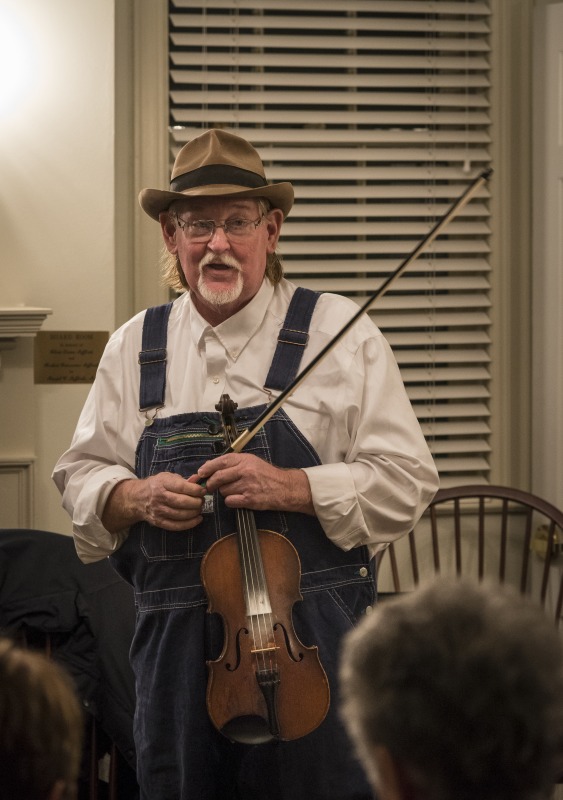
(180, 755)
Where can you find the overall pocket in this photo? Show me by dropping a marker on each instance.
(182, 448)
(182, 453)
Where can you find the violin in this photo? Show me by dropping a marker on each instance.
(266, 685)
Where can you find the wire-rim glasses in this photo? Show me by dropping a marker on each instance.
(202, 230)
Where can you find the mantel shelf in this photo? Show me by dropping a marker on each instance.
(17, 321)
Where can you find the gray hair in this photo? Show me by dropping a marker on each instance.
(172, 274)
(463, 684)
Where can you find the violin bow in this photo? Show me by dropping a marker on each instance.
(242, 440)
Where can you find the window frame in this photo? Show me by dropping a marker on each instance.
(510, 95)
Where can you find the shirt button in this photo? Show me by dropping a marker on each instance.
(215, 380)
(363, 571)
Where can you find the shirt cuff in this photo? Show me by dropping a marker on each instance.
(93, 541)
(336, 504)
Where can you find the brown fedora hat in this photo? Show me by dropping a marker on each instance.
(214, 164)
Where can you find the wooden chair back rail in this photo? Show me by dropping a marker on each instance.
(448, 502)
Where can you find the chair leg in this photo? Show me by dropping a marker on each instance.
(93, 784)
(112, 788)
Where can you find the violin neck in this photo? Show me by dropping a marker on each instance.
(254, 584)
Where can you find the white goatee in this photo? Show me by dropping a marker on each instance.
(220, 297)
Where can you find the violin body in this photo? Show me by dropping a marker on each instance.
(298, 696)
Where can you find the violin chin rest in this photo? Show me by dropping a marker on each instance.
(249, 729)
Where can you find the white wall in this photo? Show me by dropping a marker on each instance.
(56, 215)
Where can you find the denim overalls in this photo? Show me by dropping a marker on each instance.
(180, 754)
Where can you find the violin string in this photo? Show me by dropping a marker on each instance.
(254, 581)
(262, 628)
(267, 617)
(249, 590)
(250, 582)
(260, 594)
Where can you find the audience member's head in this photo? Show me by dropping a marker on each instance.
(455, 691)
(40, 727)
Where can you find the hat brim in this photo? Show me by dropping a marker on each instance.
(155, 201)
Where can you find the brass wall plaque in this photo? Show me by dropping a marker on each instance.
(68, 356)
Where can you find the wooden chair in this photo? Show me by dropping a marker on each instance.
(485, 532)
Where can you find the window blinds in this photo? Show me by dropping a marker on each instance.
(378, 113)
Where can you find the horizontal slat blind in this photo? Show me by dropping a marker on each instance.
(378, 113)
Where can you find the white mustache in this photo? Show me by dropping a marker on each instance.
(225, 259)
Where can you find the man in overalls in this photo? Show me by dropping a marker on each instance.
(339, 471)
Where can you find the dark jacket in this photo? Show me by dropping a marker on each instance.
(87, 611)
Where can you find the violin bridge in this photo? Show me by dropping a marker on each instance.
(268, 649)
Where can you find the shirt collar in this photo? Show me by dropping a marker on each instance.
(235, 332)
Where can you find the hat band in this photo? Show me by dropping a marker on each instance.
(217, 173)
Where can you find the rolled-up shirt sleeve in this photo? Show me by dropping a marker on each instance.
(385, 476)
(99, 457)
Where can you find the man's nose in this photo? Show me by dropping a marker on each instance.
(219, 239)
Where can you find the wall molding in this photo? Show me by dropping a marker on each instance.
(18, 321)
(16, 492)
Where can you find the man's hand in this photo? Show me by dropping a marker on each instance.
(165, 500)
(246, 481)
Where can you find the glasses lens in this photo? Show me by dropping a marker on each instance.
(238, 227)
(201, 229)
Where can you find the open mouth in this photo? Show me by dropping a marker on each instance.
(224, 263)
(218, 269)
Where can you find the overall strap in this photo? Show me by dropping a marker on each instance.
(292, 339)
(152, 357)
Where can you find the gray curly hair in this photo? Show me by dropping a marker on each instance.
(172, 274)
(463, 684)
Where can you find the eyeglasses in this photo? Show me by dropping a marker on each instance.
(202, 230)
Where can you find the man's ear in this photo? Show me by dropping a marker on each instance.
(391, 782)
(168, 231)
(274, 221)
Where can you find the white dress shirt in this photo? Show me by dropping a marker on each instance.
(377, 475)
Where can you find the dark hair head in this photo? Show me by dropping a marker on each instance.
(40, 726)
(463, 684)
